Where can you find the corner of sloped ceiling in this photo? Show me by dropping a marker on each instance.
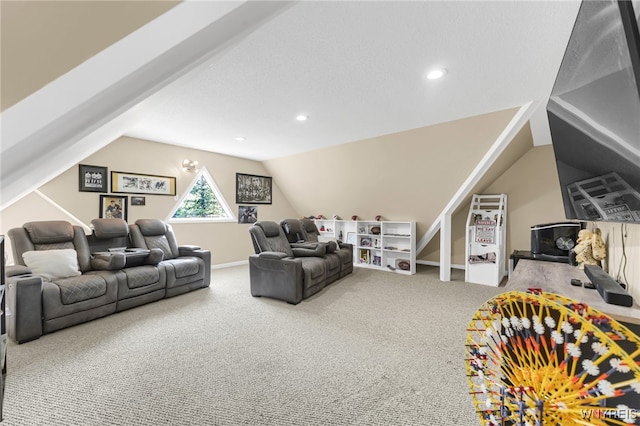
(518, 148)
(409, 175)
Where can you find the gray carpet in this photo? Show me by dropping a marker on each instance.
(374, 348)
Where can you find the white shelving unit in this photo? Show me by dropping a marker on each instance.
(384, 245)
(486, 240)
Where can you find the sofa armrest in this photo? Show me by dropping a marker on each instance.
(187, 250)
(205, 255)
(108, 261)
(156, 256)
(346, 246)
(272, 255)
(24, 308)
(309, 249)
(276, 275)
(16, 270)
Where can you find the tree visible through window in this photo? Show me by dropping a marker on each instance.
(203, 201)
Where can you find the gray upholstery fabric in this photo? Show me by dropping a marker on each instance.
(315, 275)
(140, 281)
(286, 278)
(62, 301)
(41, 306)
(294, 230)
(50, 235)
(141, 276)
(154, 233)
(83, 287)
(187, 267)
(310, 229)
(53, 231)
(108, 234)
(110, 228)
(337, 264)
(269, 236)
(344, 251)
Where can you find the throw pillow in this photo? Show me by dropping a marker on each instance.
(52, 264)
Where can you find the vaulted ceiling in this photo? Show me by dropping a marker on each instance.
(206, 73)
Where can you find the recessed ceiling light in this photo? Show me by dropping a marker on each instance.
(302, 117)
(240, 138)
(436, 74)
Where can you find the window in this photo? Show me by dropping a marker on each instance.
(202, 202)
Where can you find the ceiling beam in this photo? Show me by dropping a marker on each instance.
(49, 131)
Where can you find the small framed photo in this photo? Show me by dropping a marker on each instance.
(364, 256)
(365, 242)
(113, 207)
(138, 201)
(92, 178)
(247, 214)
(351, 238)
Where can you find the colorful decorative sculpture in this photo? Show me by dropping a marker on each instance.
(536, 358)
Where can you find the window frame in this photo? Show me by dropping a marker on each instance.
(231, 217)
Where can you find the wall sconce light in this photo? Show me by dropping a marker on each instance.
(190, 166)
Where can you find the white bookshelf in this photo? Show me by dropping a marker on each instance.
(383, 245)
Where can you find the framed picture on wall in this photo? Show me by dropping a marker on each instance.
(247, 214)
(253, 189)
(138, 201)
(135, 183)
(92, 178)
(113, 207)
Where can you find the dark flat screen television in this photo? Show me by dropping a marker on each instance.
(594, 114)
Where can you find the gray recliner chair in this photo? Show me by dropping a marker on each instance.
(53, 284)
(142, 280)
(281, 271)
(188, 267)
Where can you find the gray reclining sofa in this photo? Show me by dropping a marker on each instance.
(63, 277)
(288, 265)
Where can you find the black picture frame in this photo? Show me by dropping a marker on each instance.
(113, 207)
(247, 214)
(138, 201)
(253, 189)
(92, 178)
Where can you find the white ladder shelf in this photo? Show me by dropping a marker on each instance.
(485, 257)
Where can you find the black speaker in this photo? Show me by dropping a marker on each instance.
(554, 240)
(609, 289)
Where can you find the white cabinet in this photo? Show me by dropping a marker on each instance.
(486, 240)
(383, 245)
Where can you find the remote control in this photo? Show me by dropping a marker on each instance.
(576, 282)
(588, 285)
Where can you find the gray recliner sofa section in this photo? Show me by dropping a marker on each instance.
(45, 294)
(141, 279)
(343, 251)
(188, 267)
(290, 271)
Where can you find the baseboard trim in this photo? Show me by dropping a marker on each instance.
(230, 264)
(246, 262)
(432, 263)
